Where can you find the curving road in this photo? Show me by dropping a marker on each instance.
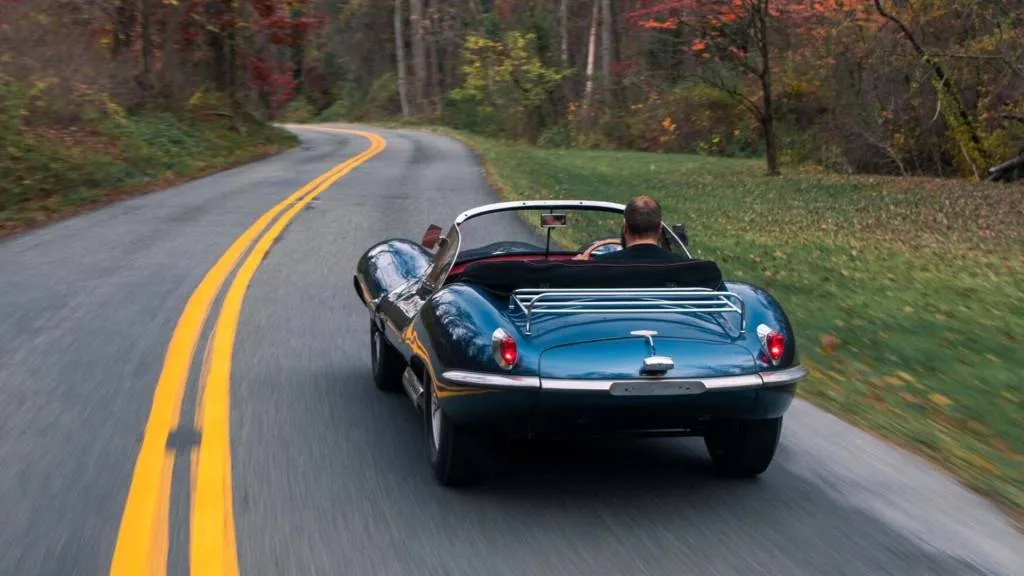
(326, 474)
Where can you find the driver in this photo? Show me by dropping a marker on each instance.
(641, 230)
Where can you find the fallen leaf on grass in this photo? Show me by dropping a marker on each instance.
(940, 399)
(828, 344)
(876, 399)
(910, 397)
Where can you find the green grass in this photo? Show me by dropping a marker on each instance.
(48, 173)
(920, 282)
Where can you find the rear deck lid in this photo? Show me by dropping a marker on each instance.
(623, 358)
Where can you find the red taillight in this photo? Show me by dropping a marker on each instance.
(775, 343)
(504, 348)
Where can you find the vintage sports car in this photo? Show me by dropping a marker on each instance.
(522, 339)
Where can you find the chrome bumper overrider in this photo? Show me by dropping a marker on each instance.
(510, 382)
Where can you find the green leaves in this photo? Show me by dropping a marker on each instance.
(506, 80)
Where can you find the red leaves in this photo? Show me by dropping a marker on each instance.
(275, 82)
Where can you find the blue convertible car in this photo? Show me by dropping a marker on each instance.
(529, 340)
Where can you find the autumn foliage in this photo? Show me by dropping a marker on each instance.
(933, 87)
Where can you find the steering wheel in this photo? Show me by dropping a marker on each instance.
(597, 245)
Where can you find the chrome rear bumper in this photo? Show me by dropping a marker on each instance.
(492, 380)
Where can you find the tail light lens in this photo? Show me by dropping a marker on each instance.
(504, 349)
(774, 343)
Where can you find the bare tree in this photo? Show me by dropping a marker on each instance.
(954, 113)
(146, 76)
(419, 53)
(563, 29)
(591, 54)
(433, 18)
(403, 86)
(607, 49)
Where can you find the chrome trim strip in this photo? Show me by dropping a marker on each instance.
(490, 380)
(566, 385)
(716, 383)
(785, 376)
(733, 382)
(521, 204)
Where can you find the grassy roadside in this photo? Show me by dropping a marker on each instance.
(49, 173)
(907, 294)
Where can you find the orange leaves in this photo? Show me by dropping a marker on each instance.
(669, 24)
(697, 45)
(671, 14)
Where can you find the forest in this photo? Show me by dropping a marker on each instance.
(902, 87)
(861, 159)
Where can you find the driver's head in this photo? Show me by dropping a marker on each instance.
(642, 221)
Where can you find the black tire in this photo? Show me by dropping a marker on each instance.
(387, 363)
(743, 448)
(450, 453)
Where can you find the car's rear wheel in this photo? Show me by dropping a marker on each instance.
(743, 448)
(387, 363)
(449, 447)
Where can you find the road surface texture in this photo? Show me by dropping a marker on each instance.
(329, 475)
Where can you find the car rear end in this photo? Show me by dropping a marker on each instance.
(644, 361)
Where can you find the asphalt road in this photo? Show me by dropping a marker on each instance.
(329, 475)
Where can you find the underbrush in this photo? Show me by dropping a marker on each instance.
(906, 294)
(50, 169)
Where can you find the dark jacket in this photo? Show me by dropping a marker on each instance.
(640, 253)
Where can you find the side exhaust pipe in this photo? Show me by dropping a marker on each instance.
(413, 387)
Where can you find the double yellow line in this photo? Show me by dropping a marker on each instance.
(142, 541)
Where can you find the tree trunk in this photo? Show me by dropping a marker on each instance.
(767, 114)
(215, 41)
(435, 65)
(169, 72)
(591, 54)
(419, 54)
(768, 126)
(231, 64)
(403, 86)
(607, 50)
(563, 30)
(145, 78)
(124, 24)
(298, 56)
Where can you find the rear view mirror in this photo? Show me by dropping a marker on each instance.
(431, 237)
(680, 231)
(552, 220)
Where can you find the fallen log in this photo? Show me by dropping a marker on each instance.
(1008, 171)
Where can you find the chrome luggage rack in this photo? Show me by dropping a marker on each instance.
(535, 301)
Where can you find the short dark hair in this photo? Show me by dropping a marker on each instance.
(643, 216)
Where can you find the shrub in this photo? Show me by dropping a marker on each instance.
(299, 110)
(557, 136)
(506, 86)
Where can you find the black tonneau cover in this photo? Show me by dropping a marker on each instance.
(506, 276)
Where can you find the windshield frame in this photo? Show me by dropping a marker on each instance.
(450, 245)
